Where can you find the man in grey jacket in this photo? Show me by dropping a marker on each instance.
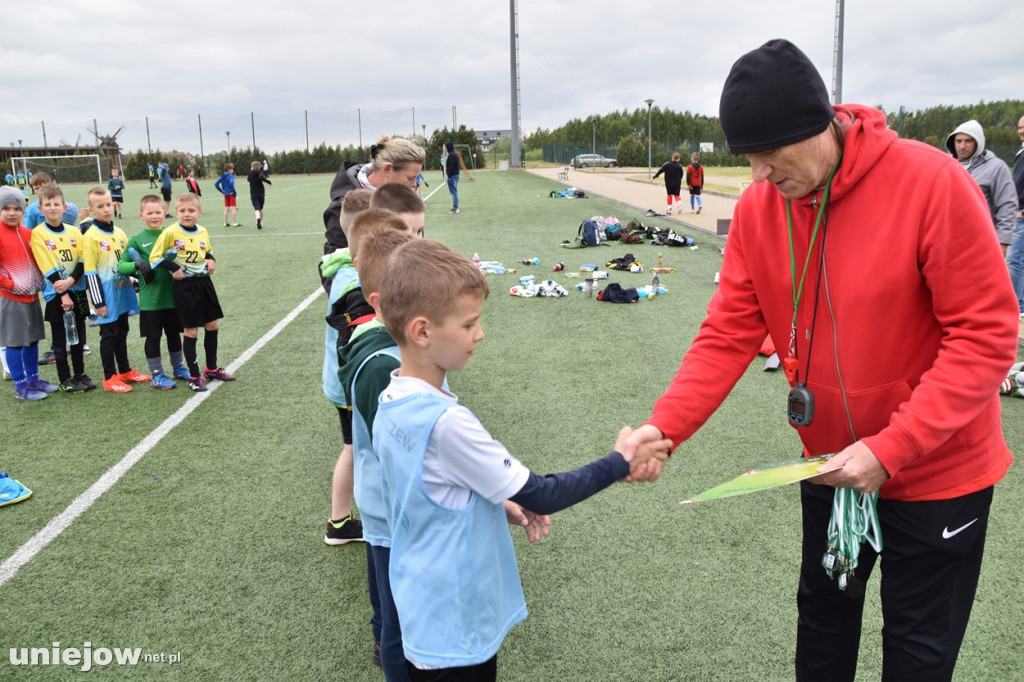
(1015, 256)
(967, 144)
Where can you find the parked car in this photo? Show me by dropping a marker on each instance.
(592, 161)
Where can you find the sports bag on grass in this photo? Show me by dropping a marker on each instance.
(11, 491)
(590, 233)
(667, 237)
(614, 293)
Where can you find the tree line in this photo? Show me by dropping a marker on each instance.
(323, 158)
(683, 132)
(625, 131)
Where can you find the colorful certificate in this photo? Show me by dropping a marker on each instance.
(766, 477)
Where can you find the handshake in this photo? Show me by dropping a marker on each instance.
(646, 451)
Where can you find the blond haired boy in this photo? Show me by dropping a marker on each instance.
(184, 250)
(111, 293)
(57, 248)
(157, 315)
(444, 478)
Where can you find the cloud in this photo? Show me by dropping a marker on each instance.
(359, 69)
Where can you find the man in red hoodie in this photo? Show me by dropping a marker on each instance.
(876, 259)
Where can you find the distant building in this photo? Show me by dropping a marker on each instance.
(488, 137)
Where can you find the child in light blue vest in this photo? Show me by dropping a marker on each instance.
(444, 480)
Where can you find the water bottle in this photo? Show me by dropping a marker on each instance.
(70, 330)
(171, 253)
(661, 261)
(655, 283)
(135, 256)
(476, 260)
(530, 261)
(558, 267)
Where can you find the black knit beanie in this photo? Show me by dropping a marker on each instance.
(772, 97)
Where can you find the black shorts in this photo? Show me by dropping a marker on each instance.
(345, 416)
(196, 301)
(695, 191)
(117, 199)
(257, 201)
(166, 193)
(156, 322)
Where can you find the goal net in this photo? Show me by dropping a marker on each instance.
(80, 168)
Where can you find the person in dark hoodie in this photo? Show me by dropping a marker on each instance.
(453, 165)
(967, 144)
(673, 171)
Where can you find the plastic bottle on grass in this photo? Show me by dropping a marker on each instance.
(476, 260)
(70, 330)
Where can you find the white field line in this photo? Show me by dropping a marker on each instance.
(265, 235)
(80, 504)
(439, 186)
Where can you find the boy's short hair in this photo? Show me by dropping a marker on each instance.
(255, 165)
(375, 247)
(96, 192)
(49, 192)
(352, 204)
(424, 278)
(370, 219)
(228, 166)
(186, 198)
(150, 199)
(41, 180)
(399, 198)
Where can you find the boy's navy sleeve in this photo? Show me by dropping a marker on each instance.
(554, 492)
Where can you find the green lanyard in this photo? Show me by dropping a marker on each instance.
(854, 521)
(798, 289)
(854, 518)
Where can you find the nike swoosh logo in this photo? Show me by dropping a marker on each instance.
(947, 533)
(147, 245)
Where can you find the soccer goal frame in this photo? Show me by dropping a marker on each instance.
(77, 168)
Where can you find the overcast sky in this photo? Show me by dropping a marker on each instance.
(362, 68)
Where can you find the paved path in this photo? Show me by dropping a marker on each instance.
(619, 185)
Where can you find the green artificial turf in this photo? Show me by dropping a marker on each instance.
(211, 545)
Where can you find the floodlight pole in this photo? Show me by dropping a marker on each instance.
(228, 133)
(649, 103)
(837, 55)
